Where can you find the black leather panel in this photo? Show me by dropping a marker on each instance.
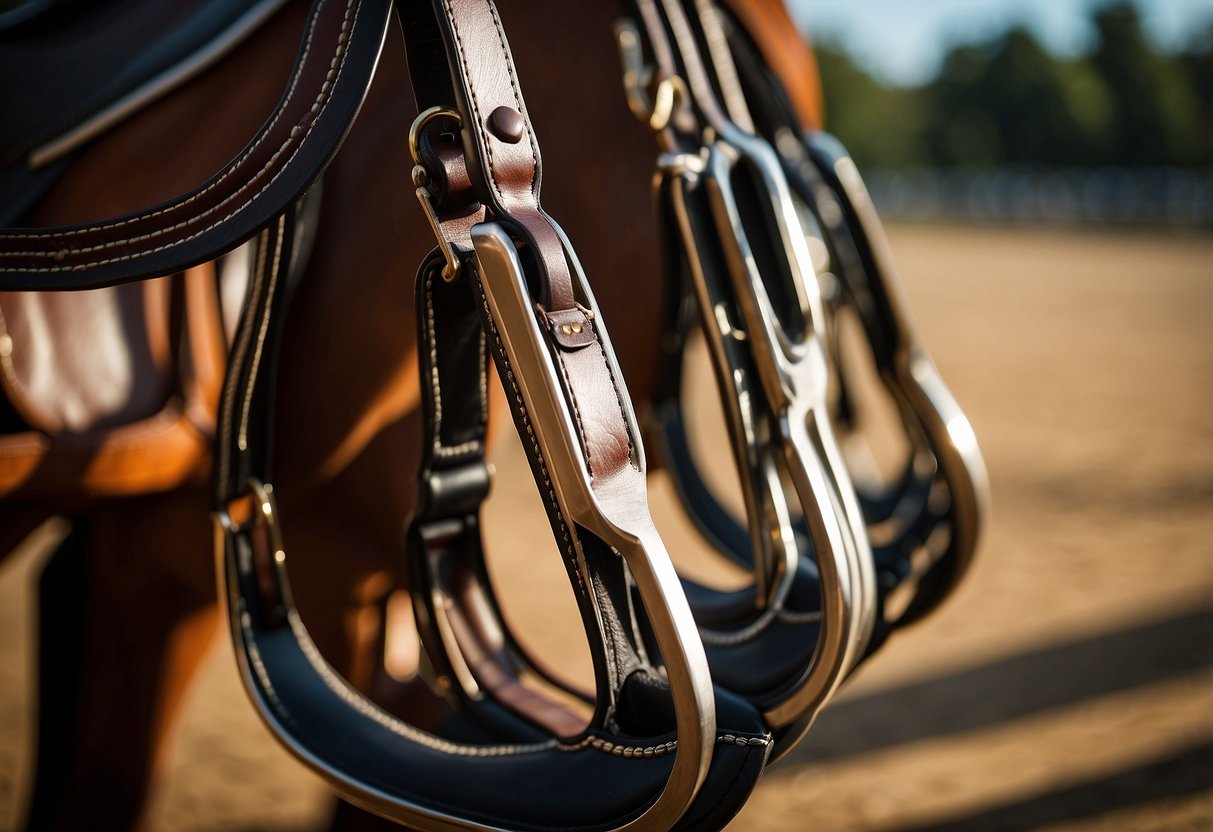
(113, 46)
(288, 154)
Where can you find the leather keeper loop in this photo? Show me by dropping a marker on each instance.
(455, 491)
(570, 328)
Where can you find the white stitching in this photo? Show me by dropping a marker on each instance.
(475, 101)
(266, 314)
(431, 336)
(457, 450)
(648, 752)
(264, 134)
(627, 428)
(355, 700)
(547, 480)
(509, 66)
(334, 73)
(433, 345)
(244, 336)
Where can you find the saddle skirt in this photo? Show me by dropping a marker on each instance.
(111, 391)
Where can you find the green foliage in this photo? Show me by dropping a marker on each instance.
(1009, 102)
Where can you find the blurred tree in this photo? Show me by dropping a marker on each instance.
(881, 125)
(1011, 103)
(1008, 101)
(1197, 64)
(1156, 117)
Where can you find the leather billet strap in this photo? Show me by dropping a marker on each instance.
(469, 645)
(243, 432)
(500, 149)
(337, 58)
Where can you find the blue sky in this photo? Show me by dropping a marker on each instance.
(902, 41)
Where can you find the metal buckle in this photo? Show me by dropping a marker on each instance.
(450, 271)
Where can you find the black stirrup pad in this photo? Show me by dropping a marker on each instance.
(593, 783)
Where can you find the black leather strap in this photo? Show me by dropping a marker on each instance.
(529, 780)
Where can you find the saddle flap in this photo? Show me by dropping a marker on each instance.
(85, 361)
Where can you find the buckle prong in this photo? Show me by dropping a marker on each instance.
(421, 179)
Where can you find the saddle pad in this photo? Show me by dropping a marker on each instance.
(73, 70)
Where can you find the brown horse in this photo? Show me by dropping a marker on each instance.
(128, 601)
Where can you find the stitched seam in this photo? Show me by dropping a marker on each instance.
(564, 371)
(627, 429)
(433, 345)
(790, 617)
(720, 638)
(431, 335)
(754, 742)
(329, 84)
(261, 138)
(636, 752)
(242, 436)
(396, 726)
(509, 65)
(311, 31)
(483, 370)
(526, 420)
(244, 337)
(474, 101)
(626, 751)
(457, 450)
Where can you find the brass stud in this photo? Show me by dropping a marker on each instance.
(507, 124)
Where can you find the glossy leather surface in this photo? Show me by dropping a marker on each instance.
(342, 42)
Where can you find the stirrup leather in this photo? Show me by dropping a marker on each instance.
(514, 282)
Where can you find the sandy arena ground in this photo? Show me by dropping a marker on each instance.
(1065, 687)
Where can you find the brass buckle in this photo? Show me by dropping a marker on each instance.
(421, 179)
(651, 98)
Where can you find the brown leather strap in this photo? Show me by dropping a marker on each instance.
(502, 153)
(505, 176)
(597, 400)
